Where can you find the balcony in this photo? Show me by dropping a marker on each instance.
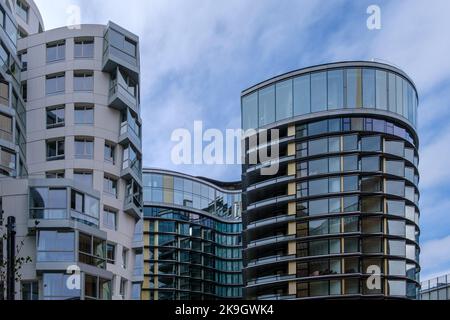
(270, 279)
(120, 98)
(120, 49)
(271, 221)
(131, 169)
(133, 206)
(269, 260)
(270, 240)
(129, 135)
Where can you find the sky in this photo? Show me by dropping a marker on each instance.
(197, 56)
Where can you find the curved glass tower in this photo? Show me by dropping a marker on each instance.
(192, 238)
(344, 203)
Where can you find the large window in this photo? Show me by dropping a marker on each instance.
(122, 43)
(56, 51)
(109, 219)
(266, 106)
(250, 111)
(48, 203)
(381, 90)
(318, 91)
(84, 115)
(284, 101)
(55, 117)
(55, 287)
(83, 81)
(96, 288)
(84, 148)
(22, 10)
(354, 88)
(302, 95)
(55, 149)
(55, 84)
(92, 250)
(335, 89)
(110, 152)
(55, 246)
(30, 290)
(7, 162)
(110, 185)
(368, 88)
(84, 48)
(6, 128)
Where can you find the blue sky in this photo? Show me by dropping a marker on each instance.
(197, 56)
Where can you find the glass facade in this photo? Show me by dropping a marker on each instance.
(192, 239)
(333, 89)
(345, 200)
(436, 289)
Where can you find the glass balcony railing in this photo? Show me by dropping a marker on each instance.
(271, 240)
(119, 90)
(127, 128)
(271, 278)
(48, 214)
(135, 166)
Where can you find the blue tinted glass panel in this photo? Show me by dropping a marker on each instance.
(368, 88)
(354, 88)
(250, 111)
(392, 93)
(399, 94)
(318, 91)
(302, 95)
(335, 89)
(284, 100)
(266, 105)
(381, 78)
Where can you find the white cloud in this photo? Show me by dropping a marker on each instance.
(435, 256)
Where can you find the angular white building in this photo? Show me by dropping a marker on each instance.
(71, 169)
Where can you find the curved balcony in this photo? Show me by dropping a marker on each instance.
(270, 183)
(271, 221)
(270, 240)
(271, 202)
(269, 260)
(270, 279)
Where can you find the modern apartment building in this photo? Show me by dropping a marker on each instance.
(192, 238)
(344, 203)
(71, 154)
(436, 289)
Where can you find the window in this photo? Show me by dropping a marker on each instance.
(24, 59)
(318, 187)
(56, 51)
(284, 100)
(109, 219)
(111, 253)
(84, 148)
(371, 184)
(394, 147)
(371, 225)
(84, 178)
(92, 250)
(6, 128)
(84, 115)
(24, 90)
(55, 287)
(351, 204)
(395, 187)
(318, 166)
(396, 207)
(4, 93)
(371, 144)
(110, 152)
(370, 164)
(371, 204)
(125, 252)
(250, 111)
(381, 87)
(396, 228)
(136, 291)
(350, 143)
(30, 290)
(302, 95)
(48, 203)
(110, 185)
(55, 84)
(318, 91)
(395, 167)
(56, 246)
(372, 245)
(368, 88)
(354, 88)
(84, 48)
(60, 174)
(319, 146)
(55, 117)
(22, 10)
(123, 288)
(351, 183)
(350, 163)
(7, 162)
(318, 207)
(266, 105)
(83, 81)
(335, 89)
(55, 149)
